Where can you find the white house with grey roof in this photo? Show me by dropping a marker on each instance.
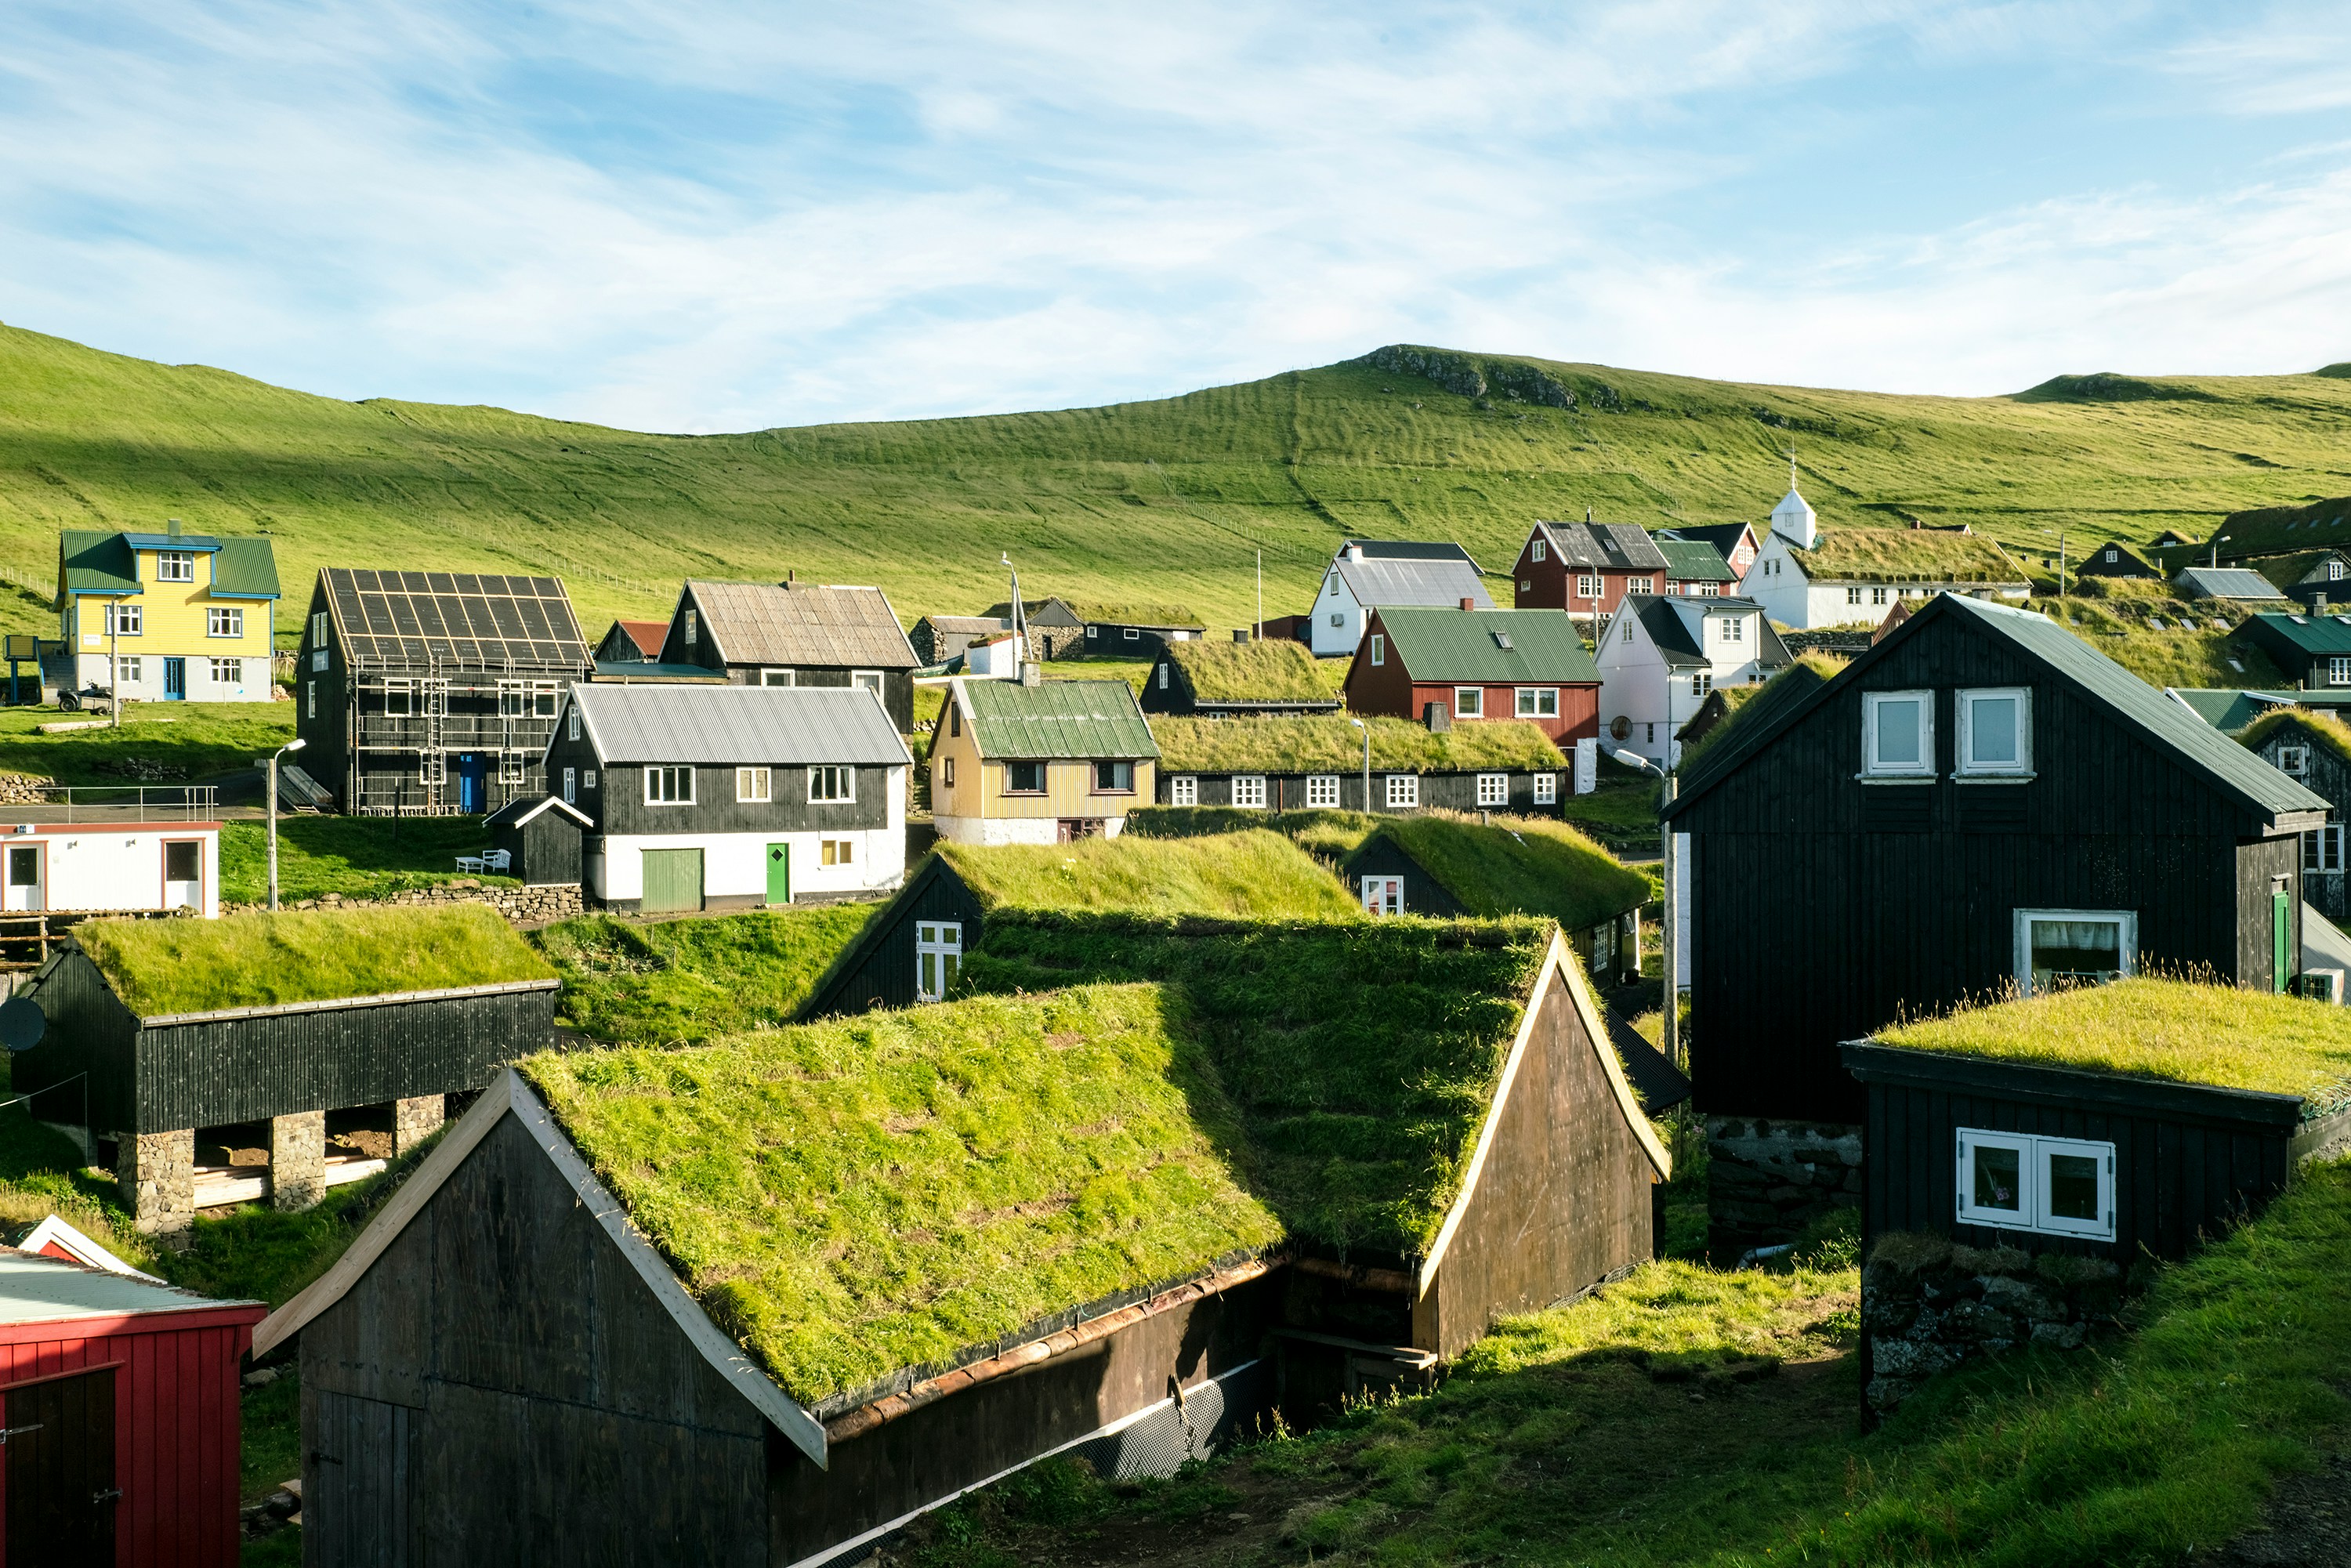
(732, 796)
(1374, 574)
(1663, 654)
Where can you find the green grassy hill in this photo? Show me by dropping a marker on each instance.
(1133, 500)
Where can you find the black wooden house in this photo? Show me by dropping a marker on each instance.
(540, 839)
(2314, 748)
(1245, 676)
(795, 633)
(432, 693)
(1979, 801)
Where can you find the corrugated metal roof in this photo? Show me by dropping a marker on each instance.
(91, 561)
(1463, 645)
(245, 568)
(1381, 583)
(789, 624)
(2226, 582)
(1620, 545)
(739, 727)
(1055, 719)
(428, 620)
(36, 1288)
(2311, 634)
(94, 560)
(1695, 561)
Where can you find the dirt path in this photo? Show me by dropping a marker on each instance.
(2307, 1524)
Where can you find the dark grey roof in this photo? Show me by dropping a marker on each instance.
(1377, 582)
(1723, 537)
(733, 727)
(2170, 727)
(1406, 549)
(1621, 547)
(429, 620)
(1668, 618)
(515, 812)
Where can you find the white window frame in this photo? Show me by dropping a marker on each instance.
(514, 767)
(1640, 585)
(175, 566)
(1493, 789)
(1381, 895)
(571, 727)
(544, 697)
(938, 956)
(318, 658)
(1870, 765)
(2020, 932)
(126, 619)
(1538, 550)
(1184, 789)
(871, 680)
(1248, 791)
(1379, 649)
(1546, 788)
(127, 668)
(1734, 628)
(228, 672)
(776, 678)
(2033, 1188)
(1877, 596)
(223, 620)
(1322, 792)
(1701, 683)
(2338, 671)
(587, 778)
(1134, 635)
(1403, 791)
(318, 629)
(755, 787)
(842, 774)
(1588, 585)
(1540, 702)
(1468, 701)
(2322, 850)
(1964, 701)
(1162, 677)
(660, 776)
(405, 689)
(571, 786)
(1853, 596)
(2294, 760)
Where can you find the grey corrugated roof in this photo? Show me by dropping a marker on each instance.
(738, 726)
(1623, 547)
(1380, 582)
(2169, 726)
(802, 623)
(1055, 719)
(37, 1289)
(2226, 582)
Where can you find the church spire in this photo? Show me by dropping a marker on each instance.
(1794, 518)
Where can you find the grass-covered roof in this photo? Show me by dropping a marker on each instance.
(855, 1198)
(1110, 612)
(1316, 743)
(304, 956)
(2317, 728)
(1261, 671)
(2164, 1029)
(1232, 874)
(1930, 555)
(1518, 865)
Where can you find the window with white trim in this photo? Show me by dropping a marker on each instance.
(1877, 596)
(2113, 556)
(939, 955)
(1538, 550)
(1853, 596)
(571, 786)
(512, 767)
(2016, 1181)
(776, 678)
(543, 695)
(1322, 790)
(1383, 894)
(1546, 788)
(2322, 850)
(668, 786)
(126, 619)
(832, 786)
(2294, 759)
(754, 786)
(227, 672)
(1701, 683)
(1184, 790)
(126, 670)
(866, 680)
(1468, 701)
(1640, 585)
(1493, 789)
(1132, 635)
(1540, 702)
(1163, 676)
(2057, 950)
(318, 629)
(1898, 734)
(1587, 585)
(1995, 731)
(1734, 628)
(399, 698)
(1404, 791)
(572, 730)
(222, 621)
(175, 566)
(2334, 570)
(1379, 649)
(309, 699)
(2338, 671)
(587, 778)
(1248, 791)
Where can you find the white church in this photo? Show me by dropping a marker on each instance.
(1805, 577)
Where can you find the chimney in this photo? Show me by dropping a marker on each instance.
(1355, 550)
(1437, 716)
(1240, 634)
(172, 527)
(1468, 602)
(1032, 675)
(791, 575)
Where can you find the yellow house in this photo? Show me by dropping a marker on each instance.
(1039, 762)
(168, 617)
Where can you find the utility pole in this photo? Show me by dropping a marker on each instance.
(297, 744)
(114, 657)
(1258, 631)
(1669, 940)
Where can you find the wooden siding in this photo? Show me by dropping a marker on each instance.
(617, 803)
(1823, 908)
(1423, 893)
(546, 849)
(979, 790)
(2329, 892)
(879, 971)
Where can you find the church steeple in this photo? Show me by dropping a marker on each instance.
(1794, 518)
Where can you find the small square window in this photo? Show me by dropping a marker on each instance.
(2294, 759)
(1468, 701)
(833, 786)
(587, 778)
(223, 622)
(1546, 788)
(1337, 618)
(775, 677)
(866, 680)
(513, 766)
(1132, 634)
(838, 852)
(754, 786)
(542, 699)
(1403, 791)
(1113, 777)
(2017, 1181)
(130, 669)
(1248, 791)
(175, 566)
(1897, 734)
(1493, 789)
(1383, 894)
(1853, 596)
(1995, 730)
(1184, 790)
(228, 672)
(1322, 790)
(1877, 596)
(1700, 683)
(318, 658)
(1024, 779)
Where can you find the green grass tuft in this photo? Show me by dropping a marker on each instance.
(1278, 671)
(682, 981)
(1242, 874)
(1520, 865)
(197, 740)
(2311, 726)
(356, 857)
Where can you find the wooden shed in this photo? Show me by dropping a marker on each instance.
(120, 1397)
(792, 1373)
(254, 1029)
(541, 838)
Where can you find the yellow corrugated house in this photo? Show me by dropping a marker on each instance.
(1039, 762)
(167, 617)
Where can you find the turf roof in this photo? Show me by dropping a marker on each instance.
(1931, 555)
(302, 955)
(2320, 729)
(1327, 743)
(1113, 614)
(1248, 874)
(855, 1198)
(2169, 1029)
(1518, 865)
(1262, 670)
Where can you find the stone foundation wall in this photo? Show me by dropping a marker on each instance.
(1767, 1180)
(413, 1121)
(298, 1160)
(523, 906)
(22, 790)
(158, 1173)
(1929, 1304)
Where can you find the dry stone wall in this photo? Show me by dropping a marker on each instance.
(1767, 1180)
(523, 906)
(1929, 1304)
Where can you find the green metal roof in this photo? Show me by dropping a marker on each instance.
(91, 561)
(1467, 645)
(1057, 718)
(245, 568)
(2162, 722)
(2310, 633)
(1694, 560)
(2226, 710)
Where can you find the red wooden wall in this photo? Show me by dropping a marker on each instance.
(176, 1424)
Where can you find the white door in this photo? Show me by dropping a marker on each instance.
(938, 954)
(183, 873)
(1383, 894)
(27, 879)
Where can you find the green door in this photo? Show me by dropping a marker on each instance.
(2282, 966)
(779, 873)
(673, 880)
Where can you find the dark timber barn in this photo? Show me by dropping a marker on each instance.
(560, 1330)
(1982, 799)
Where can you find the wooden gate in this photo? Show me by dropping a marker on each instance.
(359, 1502)
(61, 1490)
(673, 881)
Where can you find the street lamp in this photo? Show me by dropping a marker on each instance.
(1669, 945)
(2060, 532)
(1359, 723)
(297, 744)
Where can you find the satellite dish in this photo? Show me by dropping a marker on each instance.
(22, 1023)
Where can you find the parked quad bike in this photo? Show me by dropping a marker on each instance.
(93, 696)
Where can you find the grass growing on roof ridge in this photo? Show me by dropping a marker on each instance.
(1261, 671)
(1520, 865)
(300, 955)
(1362, 1054)
(1931, 553)
(1243, 874)
(2324, 730)
(677, 982)
(1327, 743)
(2151, 1028)
(853, 1197)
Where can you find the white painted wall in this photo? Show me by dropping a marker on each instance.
(734, 865)
(1328, 639)
(1636, 684)
(110, 867)
(994, 831)
(146, 685)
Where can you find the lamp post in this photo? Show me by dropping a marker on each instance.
(1669, 945)
(297, 744)
(2061, 558)
(1359, 723)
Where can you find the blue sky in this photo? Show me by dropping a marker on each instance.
(697, 218)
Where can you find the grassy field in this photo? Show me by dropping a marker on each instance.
(681, 981)
(357, 857)
(195, 740)
(1156, 500)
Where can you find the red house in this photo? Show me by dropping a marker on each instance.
(1479, 664)
(1587, 568)
(120, 1398)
